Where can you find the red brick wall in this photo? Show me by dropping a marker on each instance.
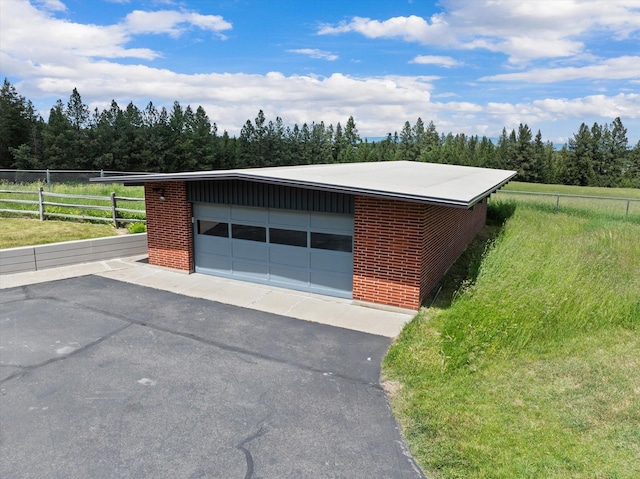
(170, 233)
(402, 249)
(448, 231)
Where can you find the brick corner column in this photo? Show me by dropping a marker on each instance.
(169, 228)
(387, 253)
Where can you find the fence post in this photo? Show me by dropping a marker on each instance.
(114, 213)
(558, 203)
(48, 180)
(41, 203)
(627, 213)
(101, 173)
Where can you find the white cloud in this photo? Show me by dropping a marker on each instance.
(523, 30)
(62, 42)
(411, 28)
(59, 41)
(53, 5)
(172, 22)
(315, 53)
(447, 62)
(621, 68)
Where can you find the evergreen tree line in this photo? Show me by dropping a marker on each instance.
(181, 139)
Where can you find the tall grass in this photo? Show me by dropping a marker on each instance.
(533, 370)
(553, 276)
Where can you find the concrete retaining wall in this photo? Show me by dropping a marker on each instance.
(33, 258)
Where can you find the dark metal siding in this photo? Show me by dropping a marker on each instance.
(246, 193)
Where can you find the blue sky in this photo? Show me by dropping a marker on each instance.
(470, 66)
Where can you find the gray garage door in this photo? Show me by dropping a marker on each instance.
(292, 249)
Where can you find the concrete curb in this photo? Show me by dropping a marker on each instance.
(35, 258)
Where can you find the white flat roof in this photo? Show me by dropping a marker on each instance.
(431, 183)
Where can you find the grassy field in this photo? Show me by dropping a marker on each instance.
(532, 370)
(84, 189)
(574, 190)
(613, 207)
(29, 232)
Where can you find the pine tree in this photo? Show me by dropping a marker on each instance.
(20, 130)
(524, 159)
(579, 162)
(430, 150)
(618, 150)
(631, 169)
(407, 140)
(350, 141)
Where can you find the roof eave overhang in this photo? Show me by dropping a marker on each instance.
(140, 180)
(491, 190)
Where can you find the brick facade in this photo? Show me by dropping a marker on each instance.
(402, 249)
(170, 233)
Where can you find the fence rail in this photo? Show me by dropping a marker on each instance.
(42, 212)
(610, 203)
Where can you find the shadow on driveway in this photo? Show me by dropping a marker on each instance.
(105, 379)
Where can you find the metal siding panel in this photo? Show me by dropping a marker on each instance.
(245, 193)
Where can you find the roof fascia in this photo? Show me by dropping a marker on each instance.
(140, 180)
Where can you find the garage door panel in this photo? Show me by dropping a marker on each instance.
(342, 223)
(212, 244)
(330, 282)
(331, 261)
(211, 211)
(289, 276)
(250, 269)
(213, 263)
(249, 250)
(284, 255)
(288, 218)
(256, 215)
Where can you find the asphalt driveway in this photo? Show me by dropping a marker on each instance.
(105, 379)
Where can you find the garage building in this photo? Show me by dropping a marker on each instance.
(382, 232)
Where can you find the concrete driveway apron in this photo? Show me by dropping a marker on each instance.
(105, 379)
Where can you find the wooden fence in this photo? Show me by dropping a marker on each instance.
(41, 203)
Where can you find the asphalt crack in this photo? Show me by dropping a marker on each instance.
(186, 335)
(249, 458)
(27, 369)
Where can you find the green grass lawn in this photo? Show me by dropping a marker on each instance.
(533, 370)
(16, 232)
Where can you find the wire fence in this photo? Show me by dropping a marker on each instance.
(627, 207)
(49, 176)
